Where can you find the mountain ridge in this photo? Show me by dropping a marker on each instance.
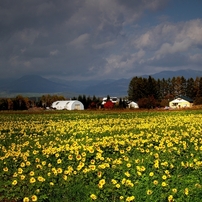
(35, 84)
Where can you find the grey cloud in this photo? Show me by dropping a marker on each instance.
(90, 38)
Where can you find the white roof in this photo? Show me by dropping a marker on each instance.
(179, 100)
(67, 104)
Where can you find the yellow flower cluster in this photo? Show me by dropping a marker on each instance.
(125, 156)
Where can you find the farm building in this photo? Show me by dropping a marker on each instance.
(181, 102)
(133, 105)
(113, 99)
(67, 104)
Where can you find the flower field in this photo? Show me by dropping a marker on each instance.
(101, 156)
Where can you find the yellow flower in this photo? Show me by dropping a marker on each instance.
(151, 174)
(186, 191)
(37, 160)
(174, 190)
(59, 161)
(102, 181)
(163, 184)
(34, 198)
(78, 157)
(28, 163)
(26, 199)
(40, 179)
(14, 182)
(32, 180)
(31, 173)
(65, 177)
(92, 167)
(121, 151)
(149, 192)
(92, 161)
(170, 198)
(123, 181)
(20, 170)
(22, 177)
(59, 170)
(164, 177)
(128, 165)
(22, 164)
(114, 181)
(43, 163)
(83, 154)
(99, 174)
(130, 198)
(5, 169)
(127, 174)
(118, 186)
(155, 182)
(93, 196)
(121, 197)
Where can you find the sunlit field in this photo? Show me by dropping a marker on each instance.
(101, 156)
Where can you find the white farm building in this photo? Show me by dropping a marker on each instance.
(181, 102)
(68, 105)
(133, 105)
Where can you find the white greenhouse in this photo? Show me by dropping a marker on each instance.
(133, 105)
(68, 105)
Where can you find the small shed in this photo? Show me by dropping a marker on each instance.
(68, 105)
(133, 105)
(181, 102)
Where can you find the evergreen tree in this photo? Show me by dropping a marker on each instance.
(199, 92)
(152, 88)
(190, 88)
(183, 86)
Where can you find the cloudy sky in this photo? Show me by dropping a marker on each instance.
(98, 39)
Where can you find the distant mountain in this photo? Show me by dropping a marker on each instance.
(187, 73)
(34, 84)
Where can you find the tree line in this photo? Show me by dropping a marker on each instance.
(45, 101)
(23, 103)
(148, 92)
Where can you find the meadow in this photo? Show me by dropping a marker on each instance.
(101, 156)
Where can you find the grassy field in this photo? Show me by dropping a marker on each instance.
(103, 156)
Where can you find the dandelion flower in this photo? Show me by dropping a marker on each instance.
(14, 182)
(163, 184)
(32, 180)
(149, 192)
(174, 190)
(5, 169)
(34, 198)
(170, 198)
(151, 174)
(93, 196)
(26, 199)
(31, 173)
(186, 191)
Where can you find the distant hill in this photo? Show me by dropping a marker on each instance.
(34, 84)
(187, 73)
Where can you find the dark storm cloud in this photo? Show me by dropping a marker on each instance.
(93, 38)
